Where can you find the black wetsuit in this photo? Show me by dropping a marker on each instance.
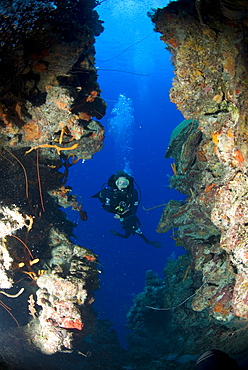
(123, 203)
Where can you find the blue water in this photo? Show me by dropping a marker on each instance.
(138, 124)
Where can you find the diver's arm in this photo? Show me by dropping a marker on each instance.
(107, 206)
(122, 214)
(135, 202)
(105, 196)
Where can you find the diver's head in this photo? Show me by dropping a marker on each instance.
(122, 183)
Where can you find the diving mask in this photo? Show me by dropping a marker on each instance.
(122, 183)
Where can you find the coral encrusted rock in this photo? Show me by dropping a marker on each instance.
(208, 44)
(50, 107)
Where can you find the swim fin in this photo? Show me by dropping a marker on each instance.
(155, 244)
(96, 195)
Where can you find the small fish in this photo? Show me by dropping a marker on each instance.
(83, 215)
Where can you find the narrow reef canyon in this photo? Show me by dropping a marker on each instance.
(50, 112)
(50, 105)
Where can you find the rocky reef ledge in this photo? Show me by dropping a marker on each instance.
(202, 303)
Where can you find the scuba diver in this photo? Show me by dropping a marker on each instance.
(121, 198)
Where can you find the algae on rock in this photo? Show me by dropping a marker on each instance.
(207, 41)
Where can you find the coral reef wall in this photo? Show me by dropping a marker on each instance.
(49, 106)
(49, 92)
(206, 294)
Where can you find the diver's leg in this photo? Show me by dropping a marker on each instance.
(153, 243)
(144, 238)
(115, 233)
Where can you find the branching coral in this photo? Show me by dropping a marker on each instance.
(58, 148)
